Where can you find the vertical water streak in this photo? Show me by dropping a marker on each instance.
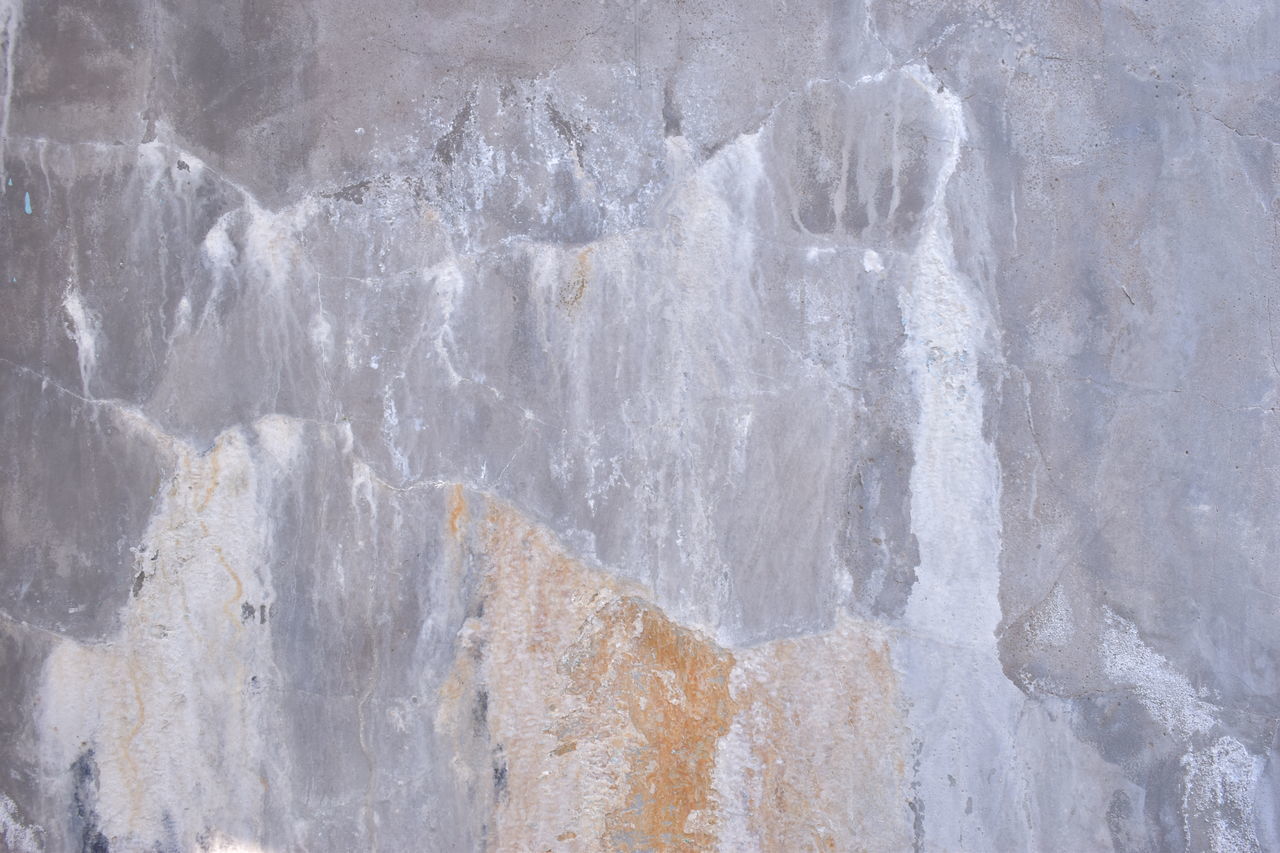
(963, 709)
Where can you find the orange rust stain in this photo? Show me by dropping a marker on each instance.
(184, 467)
(674, 687)
(457, 511)
(607, 716)
(238, 594)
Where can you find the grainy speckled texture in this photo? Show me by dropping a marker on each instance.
(649, 426)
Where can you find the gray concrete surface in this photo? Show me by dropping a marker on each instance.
(952, 321)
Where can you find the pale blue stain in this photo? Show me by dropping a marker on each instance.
(26, 203)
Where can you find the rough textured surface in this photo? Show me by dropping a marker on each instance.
(664, 425)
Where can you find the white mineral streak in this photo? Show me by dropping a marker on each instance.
(171, 708)
(872, 262)
(84, 334)
(714, 248)
(1219, 780)
(963, 709)
(1051, 622)
(16, 835)
(1219, 789)
(1166, 693)
(10, 20)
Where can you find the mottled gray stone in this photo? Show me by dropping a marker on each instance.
(956, 319)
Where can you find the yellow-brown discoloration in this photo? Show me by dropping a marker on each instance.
(178, 647)
(125, 749)
(214, 475)
(573, 291)
(673, 685)
(822, 736)
(587, 719)
(457, 511)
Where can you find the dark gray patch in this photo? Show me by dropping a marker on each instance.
(499, 773)
(353, 193)
(450, 145)
(480, 713)
(1119, 813)
(917, 823)
(916, 803)
(671, 115)
(84, 797)
(65, 459)
(570, 131)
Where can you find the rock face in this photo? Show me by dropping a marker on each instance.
(588, 715)
(651, 426)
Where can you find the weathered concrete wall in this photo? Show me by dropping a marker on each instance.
(651, 426)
